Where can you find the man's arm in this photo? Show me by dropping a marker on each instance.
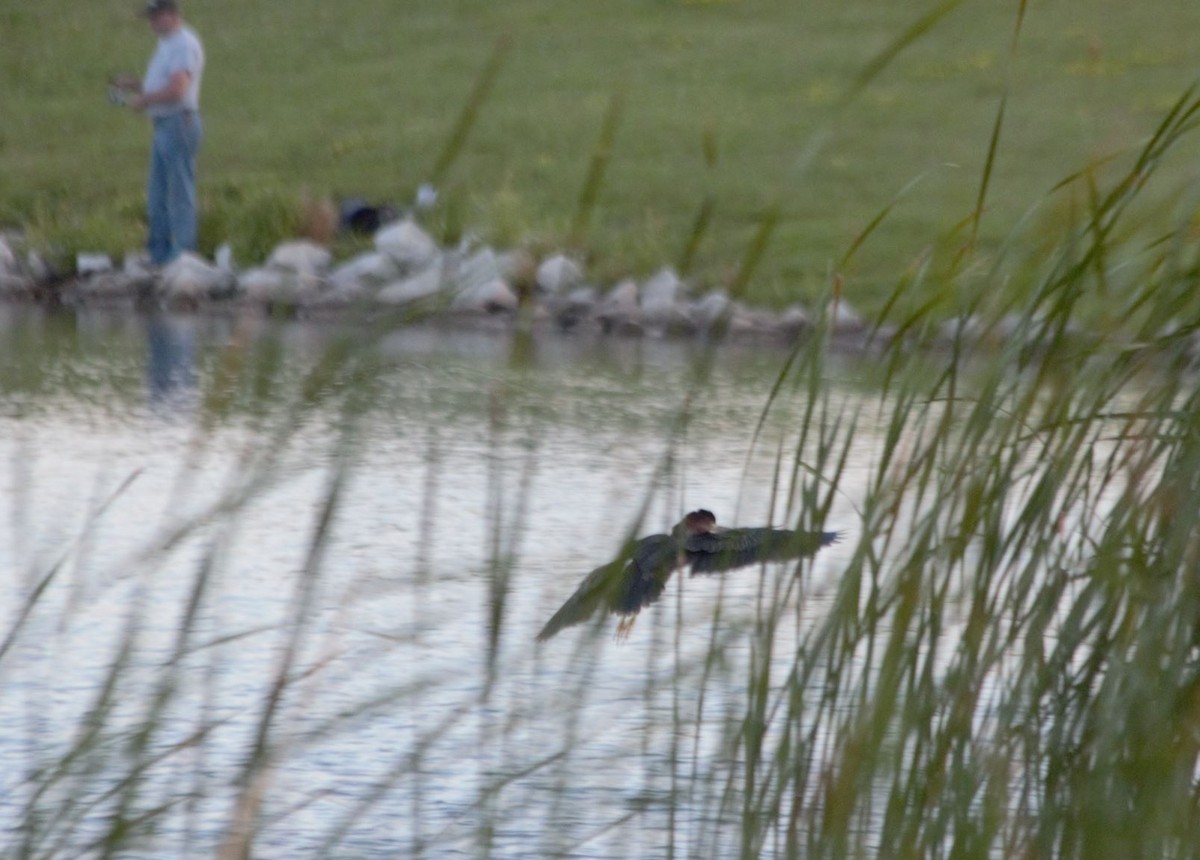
(172, 93)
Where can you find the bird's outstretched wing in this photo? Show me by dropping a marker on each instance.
(725, 549)
(635, 579)
(591, 594)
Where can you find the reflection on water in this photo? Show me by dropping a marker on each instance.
(171, 356)
(484, 480)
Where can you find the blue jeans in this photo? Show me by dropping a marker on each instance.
(171, 187)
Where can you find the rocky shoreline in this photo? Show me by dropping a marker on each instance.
(407, 272)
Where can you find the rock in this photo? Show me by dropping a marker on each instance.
(619, 310)
(794, 321)
(968, 328)
(558, 274)
(713, 308)
(137, 265)
(408, 245)
(660, 296)
(15, 286)
(883, 336)
(331, 299)
(424, 285)
(491, 296)
(582, 296)
(189, 276)
(1008, 327)
(268, 285)
(8, 259)
(37, 267)
(747, 321)
(107, 286)
(301, 256)
(224, 258)
(92, 264)
(477, 270)
(844, 319)
(623, 298)
(576, 307)
(661, 309)
(366, 270)
(345, 292)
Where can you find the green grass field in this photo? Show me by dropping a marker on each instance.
(361, 98)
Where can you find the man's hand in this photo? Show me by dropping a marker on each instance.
(130, 83)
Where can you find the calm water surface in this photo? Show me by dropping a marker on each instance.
(485, 477)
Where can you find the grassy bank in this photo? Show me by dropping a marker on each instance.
(719, 101)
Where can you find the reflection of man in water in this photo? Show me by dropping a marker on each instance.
(171, 362)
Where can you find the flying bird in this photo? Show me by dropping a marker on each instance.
(638, 576)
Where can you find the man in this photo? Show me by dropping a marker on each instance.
(170, 95)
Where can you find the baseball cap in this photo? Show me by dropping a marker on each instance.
(156, 6)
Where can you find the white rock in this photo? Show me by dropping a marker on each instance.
(300, 256)
(137, 264)
(92, 264)
(749, 321)
(661, 292)
(619, 309)
(36, 266)
(844, 319)
(713, 307)
(559, 274)
(660, 300)
(623, 298)
(331, 298)
(369, 269)
(582, 297)
(191, 276)
(490, 296)
(479, 269)
(8, 258)
(408, 245)
(260, 283)
(421, 286)
(224, 258)
(265, 284)
(795, 319)
(967, 328)
(1008, 327)
(14, 286)
(576, 306)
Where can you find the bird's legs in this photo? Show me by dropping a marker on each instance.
(624, 627)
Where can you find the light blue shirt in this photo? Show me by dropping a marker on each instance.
(181, 51)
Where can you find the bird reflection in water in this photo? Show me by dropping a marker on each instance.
(637, 578)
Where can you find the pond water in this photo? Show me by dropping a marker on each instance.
(366, 575)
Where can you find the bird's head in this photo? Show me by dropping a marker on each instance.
(695, 523)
